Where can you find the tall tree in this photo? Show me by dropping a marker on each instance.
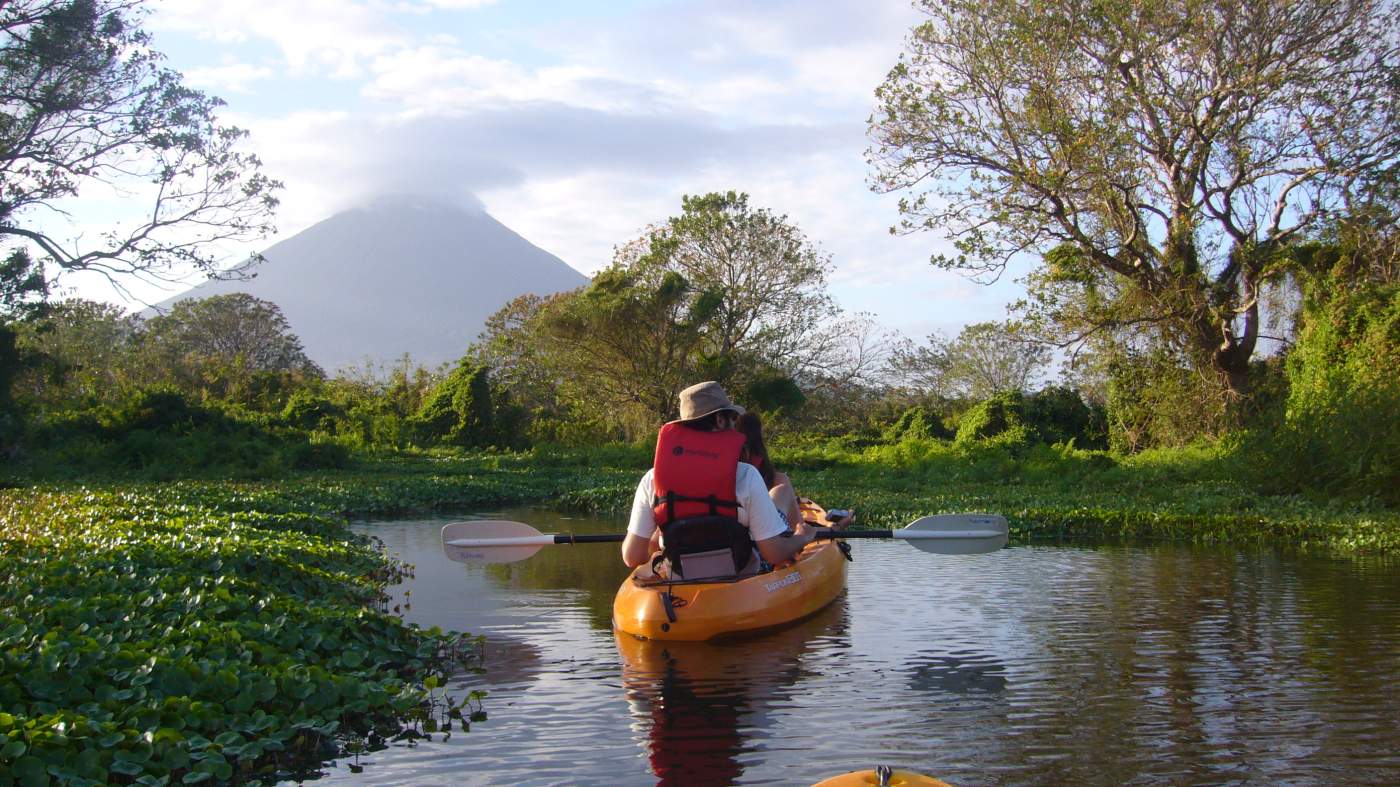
(81, 354)
(628, 341)
(23, 289)
(985, 359)
(771, 278)
(22, 294)
(723, 291)
(86, 105)
(1173, 149)
(513, 347)
(233, 329)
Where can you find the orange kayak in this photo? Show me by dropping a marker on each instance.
(703, 610)
(893, 779)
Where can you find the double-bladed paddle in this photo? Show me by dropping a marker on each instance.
(502, 541)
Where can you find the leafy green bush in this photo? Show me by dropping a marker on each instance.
(916, 423)
(309, 410)
(156, 409)
(1155, 399)
(1340, 432)
(1056, 414)
(160, 434)
(467, 411)
(574, 430)
(1000, 416)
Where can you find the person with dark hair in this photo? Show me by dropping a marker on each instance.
(779, 485)
(712, 510)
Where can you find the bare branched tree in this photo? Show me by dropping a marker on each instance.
(1175, 147)
(86, 106)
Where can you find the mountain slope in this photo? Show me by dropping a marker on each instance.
(403, 275)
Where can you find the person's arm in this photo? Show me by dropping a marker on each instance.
(783, 547)
(767, 526)
(635, 550)
(785, 497)
(636, 547)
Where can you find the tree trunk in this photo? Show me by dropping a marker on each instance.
(1231, 359)
(1233, 376)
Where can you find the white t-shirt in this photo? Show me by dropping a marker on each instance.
(756, 509)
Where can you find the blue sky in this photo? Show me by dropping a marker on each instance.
(577, 124)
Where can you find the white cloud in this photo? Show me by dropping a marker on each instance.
(333, 37)
(455, 5)
(228, 78)
(726, 55)
(435, 79)
(581, 218)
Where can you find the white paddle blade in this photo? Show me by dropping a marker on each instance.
(492, 541)
(957, 534)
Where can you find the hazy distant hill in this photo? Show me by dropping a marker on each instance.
(405, 274)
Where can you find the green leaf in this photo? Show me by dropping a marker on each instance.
(127, 767)
(30, 772)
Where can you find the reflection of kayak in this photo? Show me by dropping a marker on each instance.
(893, 779)
(654, 608)
(698, 704)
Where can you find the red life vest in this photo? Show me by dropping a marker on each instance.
(693, 481)
(694, 472)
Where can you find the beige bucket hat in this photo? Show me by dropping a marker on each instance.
(701, 399)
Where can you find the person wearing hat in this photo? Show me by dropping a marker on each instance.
(709, 507)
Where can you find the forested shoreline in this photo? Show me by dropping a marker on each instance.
(220, 388)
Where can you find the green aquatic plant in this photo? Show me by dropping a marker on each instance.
(153, 634)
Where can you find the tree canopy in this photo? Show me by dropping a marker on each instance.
(985, 359)
(81, 353)
(1170, 150)
(234, 329)
(86, 106)
(769, 273)
(724, 291)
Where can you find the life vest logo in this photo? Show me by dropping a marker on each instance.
(680, 450)
(790, 579)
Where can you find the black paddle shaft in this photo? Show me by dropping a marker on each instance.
(823, 532)
(597, 538)
(614, 538)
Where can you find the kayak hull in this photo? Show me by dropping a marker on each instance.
(708, 610)
(896, 779)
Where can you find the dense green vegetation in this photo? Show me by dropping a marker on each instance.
(199, 632)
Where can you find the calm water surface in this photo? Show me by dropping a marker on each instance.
(1033, 665)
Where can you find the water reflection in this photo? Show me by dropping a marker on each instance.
(699, 704)
(1163, 664)
(956, 674)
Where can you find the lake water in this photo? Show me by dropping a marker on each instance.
(1159, 664)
